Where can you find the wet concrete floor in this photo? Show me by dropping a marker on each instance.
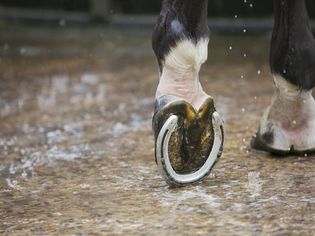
(77, 150)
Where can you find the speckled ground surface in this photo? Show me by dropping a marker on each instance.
(76, 146)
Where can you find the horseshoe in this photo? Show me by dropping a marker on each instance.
(163, 159)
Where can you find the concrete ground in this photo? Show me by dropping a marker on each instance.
(77, 150)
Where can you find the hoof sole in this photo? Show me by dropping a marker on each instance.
(188, 142)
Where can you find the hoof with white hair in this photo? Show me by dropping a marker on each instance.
(288, 124)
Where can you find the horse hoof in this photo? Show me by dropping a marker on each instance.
(188, 143)
(266, 143)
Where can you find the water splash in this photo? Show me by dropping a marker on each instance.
(255, 183)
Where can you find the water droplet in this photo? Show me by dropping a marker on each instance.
(62, 22)
(230, 48)
(258, 72)
(24, 174)
(6, 46)
(85, 186)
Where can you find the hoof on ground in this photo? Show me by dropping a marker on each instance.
(287, 126)
(188, 143)
(278, 144)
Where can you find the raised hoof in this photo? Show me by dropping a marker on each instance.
(188, 143)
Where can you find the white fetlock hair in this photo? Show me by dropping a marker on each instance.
(187, 55)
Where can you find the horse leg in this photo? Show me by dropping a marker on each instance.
(188, 131)
(288, 124)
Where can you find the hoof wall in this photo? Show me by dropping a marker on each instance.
(188, 142)
(263, 143)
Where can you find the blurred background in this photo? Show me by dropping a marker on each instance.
(77, 86)
(89, 10)
(226, 16)
(103, 8)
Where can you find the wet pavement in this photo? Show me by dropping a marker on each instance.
(77, 150)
